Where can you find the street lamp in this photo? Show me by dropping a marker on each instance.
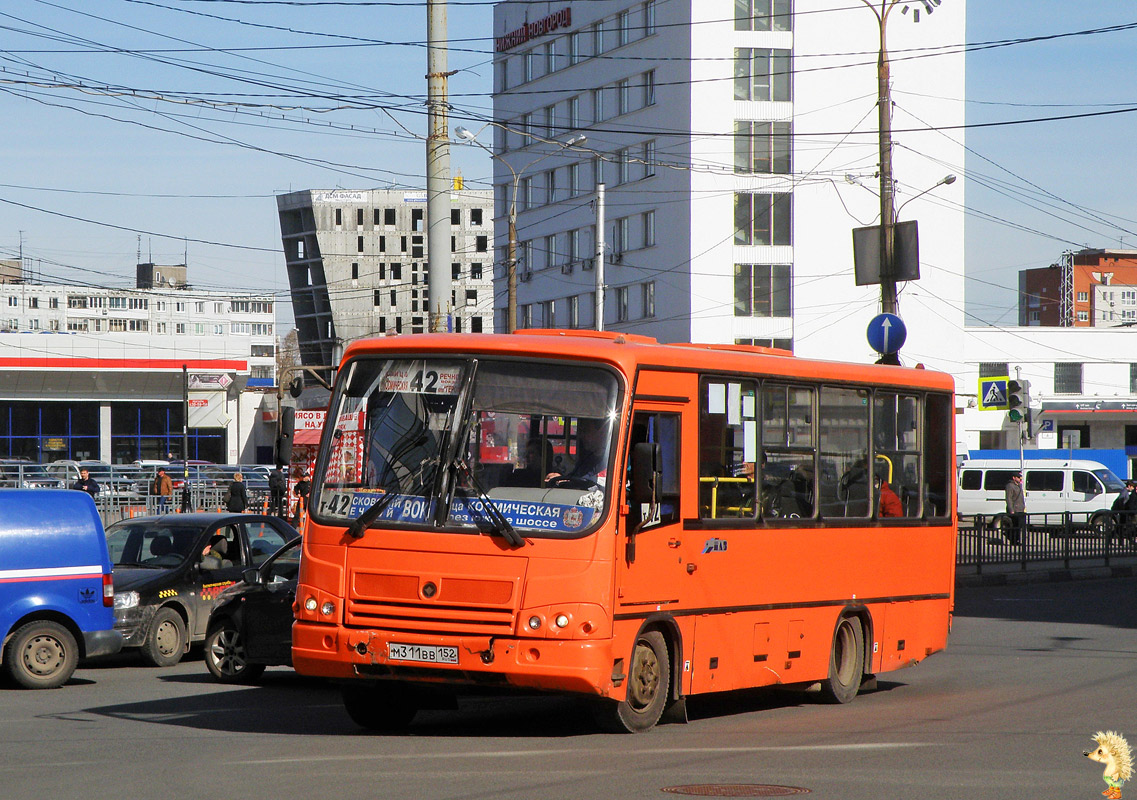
(511, 261)
(946, 180)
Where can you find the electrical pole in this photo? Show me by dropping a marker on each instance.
(887, 215)
(185, 439)
(439, 282)
(600, 257)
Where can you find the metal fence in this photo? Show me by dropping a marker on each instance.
(112, 508)
(1062, 539)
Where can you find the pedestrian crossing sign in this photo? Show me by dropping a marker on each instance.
(993, 393)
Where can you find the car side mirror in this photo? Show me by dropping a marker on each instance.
(252, 577)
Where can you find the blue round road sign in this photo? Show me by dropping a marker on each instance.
(886, 333)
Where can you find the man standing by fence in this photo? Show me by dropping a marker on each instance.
(162, 488)
(1016, 507)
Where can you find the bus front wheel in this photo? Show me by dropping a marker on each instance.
(382, 707)
(846, 662)
(649, 683)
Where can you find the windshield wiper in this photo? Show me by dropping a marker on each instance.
(456, 438)
(364, 520)
(501, 523)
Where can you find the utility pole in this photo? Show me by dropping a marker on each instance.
(600, 257)
(439, 282)
(185, 439)
(887, 215)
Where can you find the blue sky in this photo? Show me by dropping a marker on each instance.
(107, 153)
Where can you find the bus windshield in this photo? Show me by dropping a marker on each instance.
(468, 444)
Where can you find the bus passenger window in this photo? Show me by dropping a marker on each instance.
(844, 482)
(939, 411)
(896, 455)
(787, 468)
(728, 449)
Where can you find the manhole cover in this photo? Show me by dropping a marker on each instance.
(735, 790)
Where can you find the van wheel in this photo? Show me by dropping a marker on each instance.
(166, 640)
(41, 655)
(846, 662)
(649, 685)
(1102, 525)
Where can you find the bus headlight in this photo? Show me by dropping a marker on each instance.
(562, 620)
(310, 604)
(534, 623)
(328, 608)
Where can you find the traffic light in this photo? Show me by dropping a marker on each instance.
(1018, 400)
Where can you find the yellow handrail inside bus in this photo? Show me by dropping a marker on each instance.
(715, 481)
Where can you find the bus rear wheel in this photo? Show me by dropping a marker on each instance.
(380, 707)
(846, 662)
(649, 685)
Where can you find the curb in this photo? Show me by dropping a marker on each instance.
(1014, 578)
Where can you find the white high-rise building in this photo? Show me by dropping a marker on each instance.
(737, 141)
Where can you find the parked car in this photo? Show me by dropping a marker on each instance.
(251, 626)
(56, 585)
(114, 481)
(169, 570)
(16, 474)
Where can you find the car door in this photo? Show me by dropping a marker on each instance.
(267, 611)
(218, 570)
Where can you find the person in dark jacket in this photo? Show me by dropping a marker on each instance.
(238, 496)
(86, 484)
(302, 488)
(276, 489)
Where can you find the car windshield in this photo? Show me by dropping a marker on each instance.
(1112, 482)
(482, 445)
(150, 543)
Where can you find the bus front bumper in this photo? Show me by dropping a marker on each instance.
(580, 666)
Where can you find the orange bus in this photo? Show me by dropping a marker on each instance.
(600, 514)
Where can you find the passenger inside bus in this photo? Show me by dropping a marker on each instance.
(536, 465)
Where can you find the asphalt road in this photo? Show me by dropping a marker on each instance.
(1030, 674)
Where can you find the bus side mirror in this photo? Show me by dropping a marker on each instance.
(284, 437)
(647, 473)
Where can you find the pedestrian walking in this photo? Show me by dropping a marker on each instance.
(1016, 507)
(302, 488)
(276, 491)
(237, 496)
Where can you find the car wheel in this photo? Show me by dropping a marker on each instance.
(41, 655)
(166, 640)
(225, 656)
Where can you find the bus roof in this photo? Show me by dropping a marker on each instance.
(628, 352)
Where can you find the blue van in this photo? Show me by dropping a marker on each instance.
(56, 591)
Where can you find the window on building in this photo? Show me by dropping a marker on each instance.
(762, 290)
(359, 217)
(574, 112)
(762, 74)
(763, 219)
(1083, 297)
(551, 186)
(471, 297)
(388, 216)
(649, 158)
(359, 244)
(475, 216)
(623, 96)
(378, 298)
(763, 15)
(475, 324)
(648, 290)
(180, 328)
(649, 88)
(33, 302)
(574, 44)
(993, 369)
(481, 244)
(526, 314)
(339, 216)
(624, 27)
(13, 301)
(762, 147)
(376, 217)
(621, 303)
(649, 228)
(397, 271)
(649, 18)
(355, 270)
(1067, 378)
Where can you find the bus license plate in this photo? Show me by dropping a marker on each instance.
(425, 653)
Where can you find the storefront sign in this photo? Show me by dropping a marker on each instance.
(209, 381)
(339, 196)
(531, 30)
